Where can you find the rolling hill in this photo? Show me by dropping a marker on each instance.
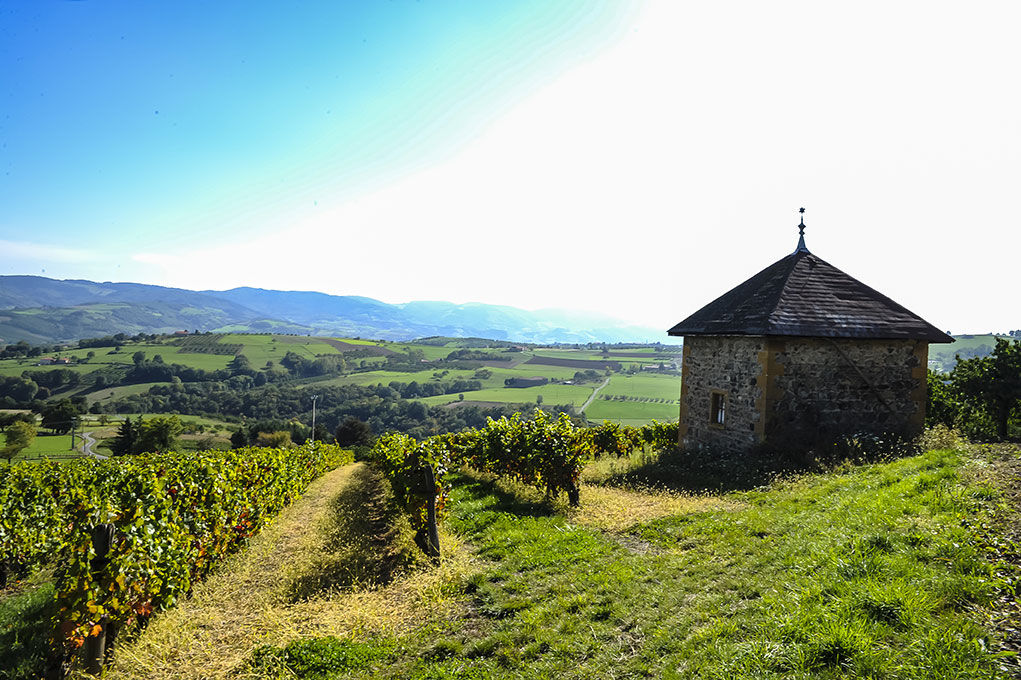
(39, 309)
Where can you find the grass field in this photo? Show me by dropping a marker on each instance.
(120, 391)
(106, 356)
(46, 445)
(429, 352)
(872, 571)
(551, 394)
(631, 412)
(645, 385)
(941, 357)
(262, 348)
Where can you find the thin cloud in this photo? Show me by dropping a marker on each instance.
(44, 252)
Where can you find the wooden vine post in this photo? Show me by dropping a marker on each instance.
(574, 494)
(94, 649)
(432, 534)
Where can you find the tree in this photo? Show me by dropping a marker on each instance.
(943, 406)
(59, 417)
(353, 432)
(993, 382)
(19, 436)
(138, 357)
(21, 390)
(240, 365)
(124, 443)
(157, 434)
(239, 439)
(280, 439)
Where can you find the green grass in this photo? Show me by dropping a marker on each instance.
(633, 411)
(110, 393)
(645, 385)
(47, 445)
(551, 394)
(24, 631)
(386, 377)
(944, 354)
(581, 354)
(104, 356)
(262, 348)
(865, 572)
(429, 352)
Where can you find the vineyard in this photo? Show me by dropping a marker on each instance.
(544, 452)
(208, 344)
(128, 537)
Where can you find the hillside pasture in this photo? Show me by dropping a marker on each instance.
(644, 386)
(551, 394)
(577, 364)
(386, 377)
(111, 393)
(630, 412)
(109, 356)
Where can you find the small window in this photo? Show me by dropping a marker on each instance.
(718, 409)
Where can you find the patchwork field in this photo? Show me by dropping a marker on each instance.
(492, 366)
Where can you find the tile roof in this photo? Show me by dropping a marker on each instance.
(804, 295)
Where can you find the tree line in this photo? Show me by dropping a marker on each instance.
(981, 396)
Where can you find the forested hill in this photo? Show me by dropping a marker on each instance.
(39, 309)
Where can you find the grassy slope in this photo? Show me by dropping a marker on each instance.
(870, 571)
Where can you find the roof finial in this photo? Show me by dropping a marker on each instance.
(801, 230)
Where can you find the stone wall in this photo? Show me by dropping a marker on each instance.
(800, 392)
(731, 365)
(819, 388)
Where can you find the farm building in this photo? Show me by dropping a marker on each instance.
(799, 355)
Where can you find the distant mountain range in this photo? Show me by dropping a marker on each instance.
(39, 309)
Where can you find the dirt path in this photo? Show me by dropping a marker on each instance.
(593, 396)
(245, 603)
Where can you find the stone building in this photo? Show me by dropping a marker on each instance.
(799, 355)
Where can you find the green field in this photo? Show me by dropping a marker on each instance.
(106, 356)
(386, 377)
(107, 394)
(551, 394)
(644, 385)
(429, 352)
(47, 445)
(631, 412)
(263, 348)
(941, 357)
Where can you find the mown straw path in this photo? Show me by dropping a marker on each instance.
(245, 603)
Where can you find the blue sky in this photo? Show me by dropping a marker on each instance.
(632, 158)
(125, 119)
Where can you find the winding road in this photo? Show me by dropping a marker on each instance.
(87, 443)
(593, 395)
